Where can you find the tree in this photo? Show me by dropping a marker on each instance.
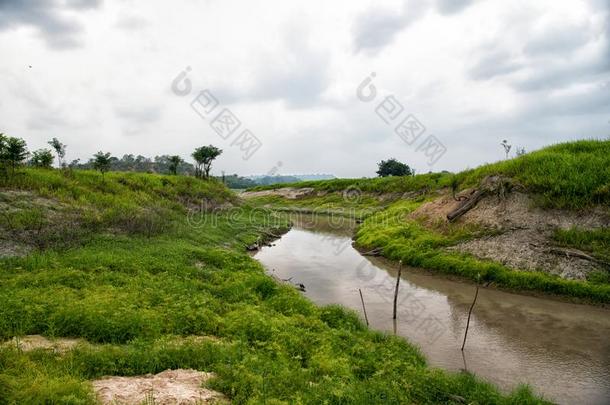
(13, 151)
(174, 162)
(101, 161)
(520, 151)
(60, 150)
(42, 158)
(204, 156)
(393, 167)
(506, 147)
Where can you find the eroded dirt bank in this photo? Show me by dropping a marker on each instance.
(518, 233)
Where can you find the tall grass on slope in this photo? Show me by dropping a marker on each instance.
(569, 175)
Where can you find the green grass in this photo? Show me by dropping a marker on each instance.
(596, 241)
(403, 238)
(377, 185)
(569, 175)
(574, 175)
(331, 203)
(137, 296)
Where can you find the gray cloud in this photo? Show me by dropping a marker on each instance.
(564, 75)
(552, 58)
(377, 28)
(297, 75)
(495, 63)
(300, 83)
(139, 114)
(84, 4)
(57, 30)
(452, 6)
(137, 119)
(558, 40)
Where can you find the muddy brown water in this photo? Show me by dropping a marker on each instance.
(561, 350)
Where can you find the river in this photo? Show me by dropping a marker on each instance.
(561, 350)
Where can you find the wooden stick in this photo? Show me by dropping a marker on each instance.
(366, 318)
(397, 284)
(470, 312)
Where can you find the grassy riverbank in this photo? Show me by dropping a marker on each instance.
(574, 177)
(129, 264)
(402, 238)
(569, 175)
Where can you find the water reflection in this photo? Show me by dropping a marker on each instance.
(561, 349)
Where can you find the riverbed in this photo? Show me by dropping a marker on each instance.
(561, 350)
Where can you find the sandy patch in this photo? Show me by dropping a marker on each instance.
(527, 250)
(290, 193)
(33, 342)
(10, 248)
(516, 210)
(168, 387)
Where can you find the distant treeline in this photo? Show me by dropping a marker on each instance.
(162, 164)
(139, 163)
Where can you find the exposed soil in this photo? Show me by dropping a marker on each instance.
(521, 233)
(33, 342)
(10, 248)
(289, 193)
(168, 387)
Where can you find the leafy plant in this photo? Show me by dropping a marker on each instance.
(101, 161)
(174, 162)
(60, 150)
(13, 151)
(42, 158)
(204, 156)
(393, 167)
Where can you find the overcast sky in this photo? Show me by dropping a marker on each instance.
(472, 72)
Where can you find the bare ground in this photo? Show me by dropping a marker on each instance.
(33, 342)
(168, 387)
(290, 193)
(521, 233)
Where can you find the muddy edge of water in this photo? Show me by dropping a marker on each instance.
(561, 349)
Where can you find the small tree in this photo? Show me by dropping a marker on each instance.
(174, 162)
(520, 151)
(393, 167)
(60, 151)
(101, 161)
(42, 158)
(204, 156)
(506, 147)
(13, 151)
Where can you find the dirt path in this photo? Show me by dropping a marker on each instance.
(168, 387)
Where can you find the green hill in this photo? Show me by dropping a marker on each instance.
(567, 175)
(150, 273)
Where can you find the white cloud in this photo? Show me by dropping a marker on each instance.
(472, 72)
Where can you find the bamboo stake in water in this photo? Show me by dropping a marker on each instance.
(366, 318)
(470, 312)
(397, 284)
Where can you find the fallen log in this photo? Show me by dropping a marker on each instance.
(575, 253)
(467, 205)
